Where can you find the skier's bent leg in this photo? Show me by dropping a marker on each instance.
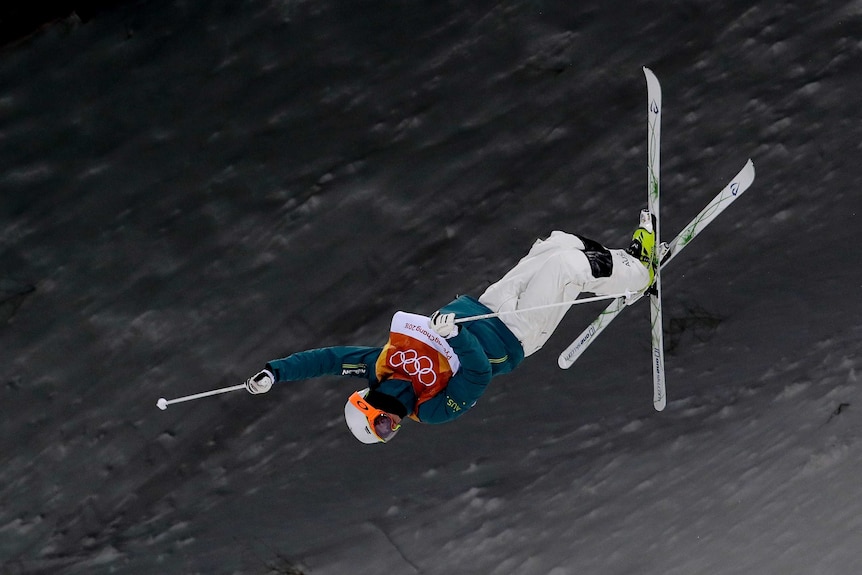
(556, 277)
(557, 270)
(502, 295)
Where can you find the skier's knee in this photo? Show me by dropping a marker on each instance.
(601, 262)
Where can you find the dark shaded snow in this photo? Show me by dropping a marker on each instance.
(190, 189)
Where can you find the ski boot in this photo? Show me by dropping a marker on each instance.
(643, 243)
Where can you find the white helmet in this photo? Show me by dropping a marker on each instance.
(368, 423)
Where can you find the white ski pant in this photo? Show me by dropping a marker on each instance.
(556, 270)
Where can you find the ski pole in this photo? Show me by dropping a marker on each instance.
(550, 305)
(163, 403)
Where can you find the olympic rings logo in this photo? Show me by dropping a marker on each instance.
(420, 367)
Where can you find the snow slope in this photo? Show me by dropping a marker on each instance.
(190, 189)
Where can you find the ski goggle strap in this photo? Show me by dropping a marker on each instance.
(381, 424)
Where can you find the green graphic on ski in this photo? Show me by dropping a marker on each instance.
(653, 198)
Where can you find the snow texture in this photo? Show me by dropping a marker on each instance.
(190, 189)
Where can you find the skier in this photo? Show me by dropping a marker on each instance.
(433, 370)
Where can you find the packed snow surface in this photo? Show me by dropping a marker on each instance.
(190, 189)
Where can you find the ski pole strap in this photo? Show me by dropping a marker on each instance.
(547, 306)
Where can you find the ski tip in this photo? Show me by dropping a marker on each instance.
(654, 90)
(659, 404)
(746, 175)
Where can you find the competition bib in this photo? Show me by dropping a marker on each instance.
(416, 353)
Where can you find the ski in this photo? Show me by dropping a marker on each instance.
(719, 203)
(654, 107)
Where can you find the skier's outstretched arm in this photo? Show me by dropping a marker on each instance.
(341, 360)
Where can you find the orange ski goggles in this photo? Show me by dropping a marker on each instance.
(382, 424)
